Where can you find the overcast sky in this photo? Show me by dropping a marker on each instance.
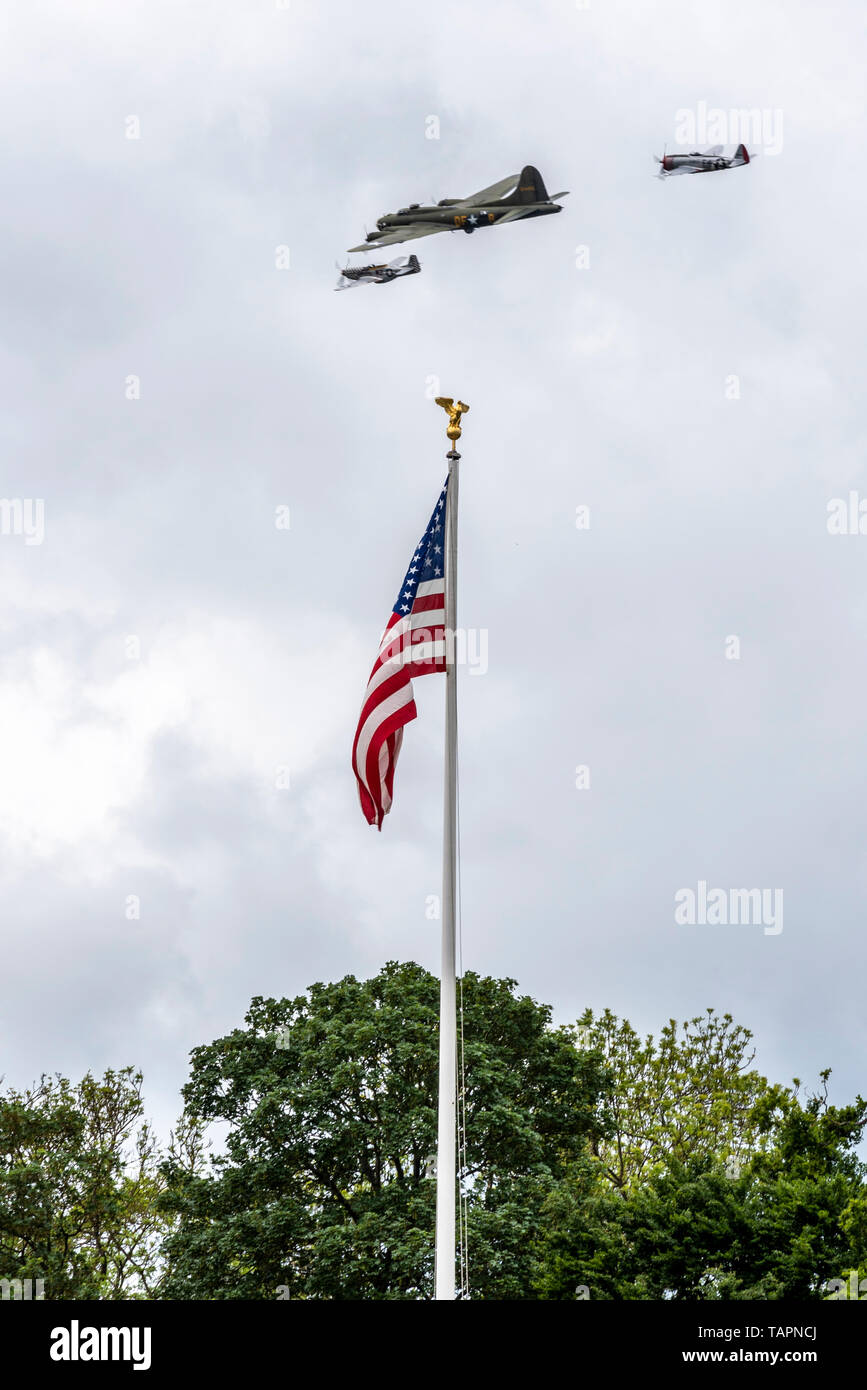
(168, 652)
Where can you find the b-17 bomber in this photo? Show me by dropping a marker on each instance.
(511, 200)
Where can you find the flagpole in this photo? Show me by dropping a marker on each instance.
(446, 1189)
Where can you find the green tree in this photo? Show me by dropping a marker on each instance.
(325, 1188)
(79, 1179)
(595, 1163)
(691, 1093)
(781, 1225)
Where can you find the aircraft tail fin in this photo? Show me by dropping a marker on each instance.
(531, 187)
(741, 155)
(413, 262)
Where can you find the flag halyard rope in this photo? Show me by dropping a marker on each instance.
(460, 1079)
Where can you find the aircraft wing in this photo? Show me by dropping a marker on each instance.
(714, 149)
(514, 215)
(489, 195)
(398, 234)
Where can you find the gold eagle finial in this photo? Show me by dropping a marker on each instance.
(455, 410)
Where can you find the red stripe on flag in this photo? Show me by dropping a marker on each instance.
(388, 703)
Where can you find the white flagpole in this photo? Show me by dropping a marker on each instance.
(446, 1191)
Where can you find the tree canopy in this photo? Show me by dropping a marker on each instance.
(79, 1182)
(326, 1186)
(596, 1163)
(781, 1224)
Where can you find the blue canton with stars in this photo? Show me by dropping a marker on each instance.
(428, 562)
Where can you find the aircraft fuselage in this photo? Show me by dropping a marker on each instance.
(703, 162)
(511, 199)
(459, 219)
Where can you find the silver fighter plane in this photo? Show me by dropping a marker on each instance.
(354, 275)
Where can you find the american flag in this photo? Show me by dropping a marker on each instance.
(413, 643)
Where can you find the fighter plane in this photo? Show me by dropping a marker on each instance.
(377, 274)
(700, 162)
(490, 207)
